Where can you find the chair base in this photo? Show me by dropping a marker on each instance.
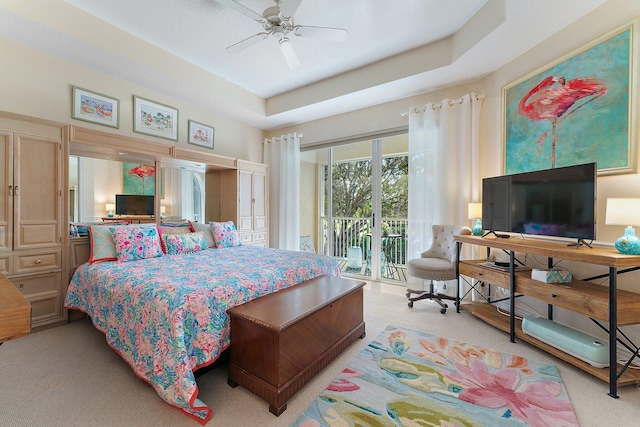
(431, 295)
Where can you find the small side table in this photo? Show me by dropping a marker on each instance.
(15, 312)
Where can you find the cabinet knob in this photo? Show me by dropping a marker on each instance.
(553, 295)
(15, 190)
(21, 286)
(11, 190)
(38, 261)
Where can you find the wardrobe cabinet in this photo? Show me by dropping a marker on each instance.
(252, 203)
(241, 196)
(30, 213)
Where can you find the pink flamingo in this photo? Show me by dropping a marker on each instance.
(552, 99)
(143, 171)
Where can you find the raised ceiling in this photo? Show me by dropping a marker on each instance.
(395, 49)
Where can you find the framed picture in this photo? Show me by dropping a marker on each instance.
(94, 107)
(155, 119)
(578, 109)
(200, 134)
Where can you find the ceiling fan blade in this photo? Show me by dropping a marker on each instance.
(231, 4)
(324, 33)
(288, 8)
(249, 41)
(289, 53)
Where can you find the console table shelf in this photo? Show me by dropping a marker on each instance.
(489, 313)
(603, 304)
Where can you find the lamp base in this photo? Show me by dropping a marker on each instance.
(477, 229)
(629, 243)
(110, 214)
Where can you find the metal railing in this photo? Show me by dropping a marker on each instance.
(352, 232)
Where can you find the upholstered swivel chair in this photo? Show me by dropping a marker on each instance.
(436, 263)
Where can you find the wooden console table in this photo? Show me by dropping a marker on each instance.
(15, 312)
(600, 303)
(132, 218)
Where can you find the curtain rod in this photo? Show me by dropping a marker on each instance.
(451, 103)
(282, 137)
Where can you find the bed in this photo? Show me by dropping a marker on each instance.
(166, 316)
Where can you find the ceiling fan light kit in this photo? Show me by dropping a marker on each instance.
(277, 21)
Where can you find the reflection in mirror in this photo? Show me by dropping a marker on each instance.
(73, 189)
(95, 182)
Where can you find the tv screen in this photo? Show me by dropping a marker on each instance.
(553, 202)
(133, 204)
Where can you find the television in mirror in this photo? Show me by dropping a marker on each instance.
(134, 204)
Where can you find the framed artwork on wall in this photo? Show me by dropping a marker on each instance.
(94, 107)
(578, 109)
(155, 119)
(200, 134)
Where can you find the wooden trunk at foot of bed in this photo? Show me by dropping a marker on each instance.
(281, 341)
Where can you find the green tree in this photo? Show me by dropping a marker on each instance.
(352, 195)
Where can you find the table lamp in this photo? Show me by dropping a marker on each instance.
(474, 211)
(110, 207)
(625, 212)
(163, 210)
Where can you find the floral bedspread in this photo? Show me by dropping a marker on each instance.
(167, 316)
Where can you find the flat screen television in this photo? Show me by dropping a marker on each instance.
(557, 202)
(134, 204)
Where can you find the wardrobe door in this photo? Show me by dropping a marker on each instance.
(37, 192)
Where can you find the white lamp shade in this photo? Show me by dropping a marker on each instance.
(623, 211)
(163, 210)
(474, 210)
(110, 207)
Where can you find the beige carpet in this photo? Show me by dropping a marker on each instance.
(68, 376)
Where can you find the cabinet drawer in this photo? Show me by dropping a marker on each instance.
(581, 297)
(31, 262)
(259, 237)
(45, 308)
(245, 238)
(485, 274)
(37, 284)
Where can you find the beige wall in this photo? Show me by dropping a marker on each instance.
(39, 85)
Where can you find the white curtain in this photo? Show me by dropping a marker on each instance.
(282, 154)
(443, 171)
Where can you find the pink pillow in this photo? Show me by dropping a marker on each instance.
(134, 243)
(225, 234)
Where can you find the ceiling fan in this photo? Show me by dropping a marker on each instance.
(277, 21)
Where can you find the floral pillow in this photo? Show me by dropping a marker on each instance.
(184, 243)
(134, 243)
(206, 230)
(225, 234)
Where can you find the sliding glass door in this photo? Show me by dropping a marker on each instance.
(362, 199)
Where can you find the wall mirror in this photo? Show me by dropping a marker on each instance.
(94, 183)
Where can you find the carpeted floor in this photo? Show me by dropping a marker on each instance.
(68, 376)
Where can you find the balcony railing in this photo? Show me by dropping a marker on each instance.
(356, 232)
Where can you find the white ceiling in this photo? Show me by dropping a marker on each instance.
(395, 49)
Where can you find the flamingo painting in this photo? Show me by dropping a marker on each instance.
(143, 172)
(577, 110)
(554, 99)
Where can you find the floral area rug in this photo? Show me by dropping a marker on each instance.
(409, 378)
